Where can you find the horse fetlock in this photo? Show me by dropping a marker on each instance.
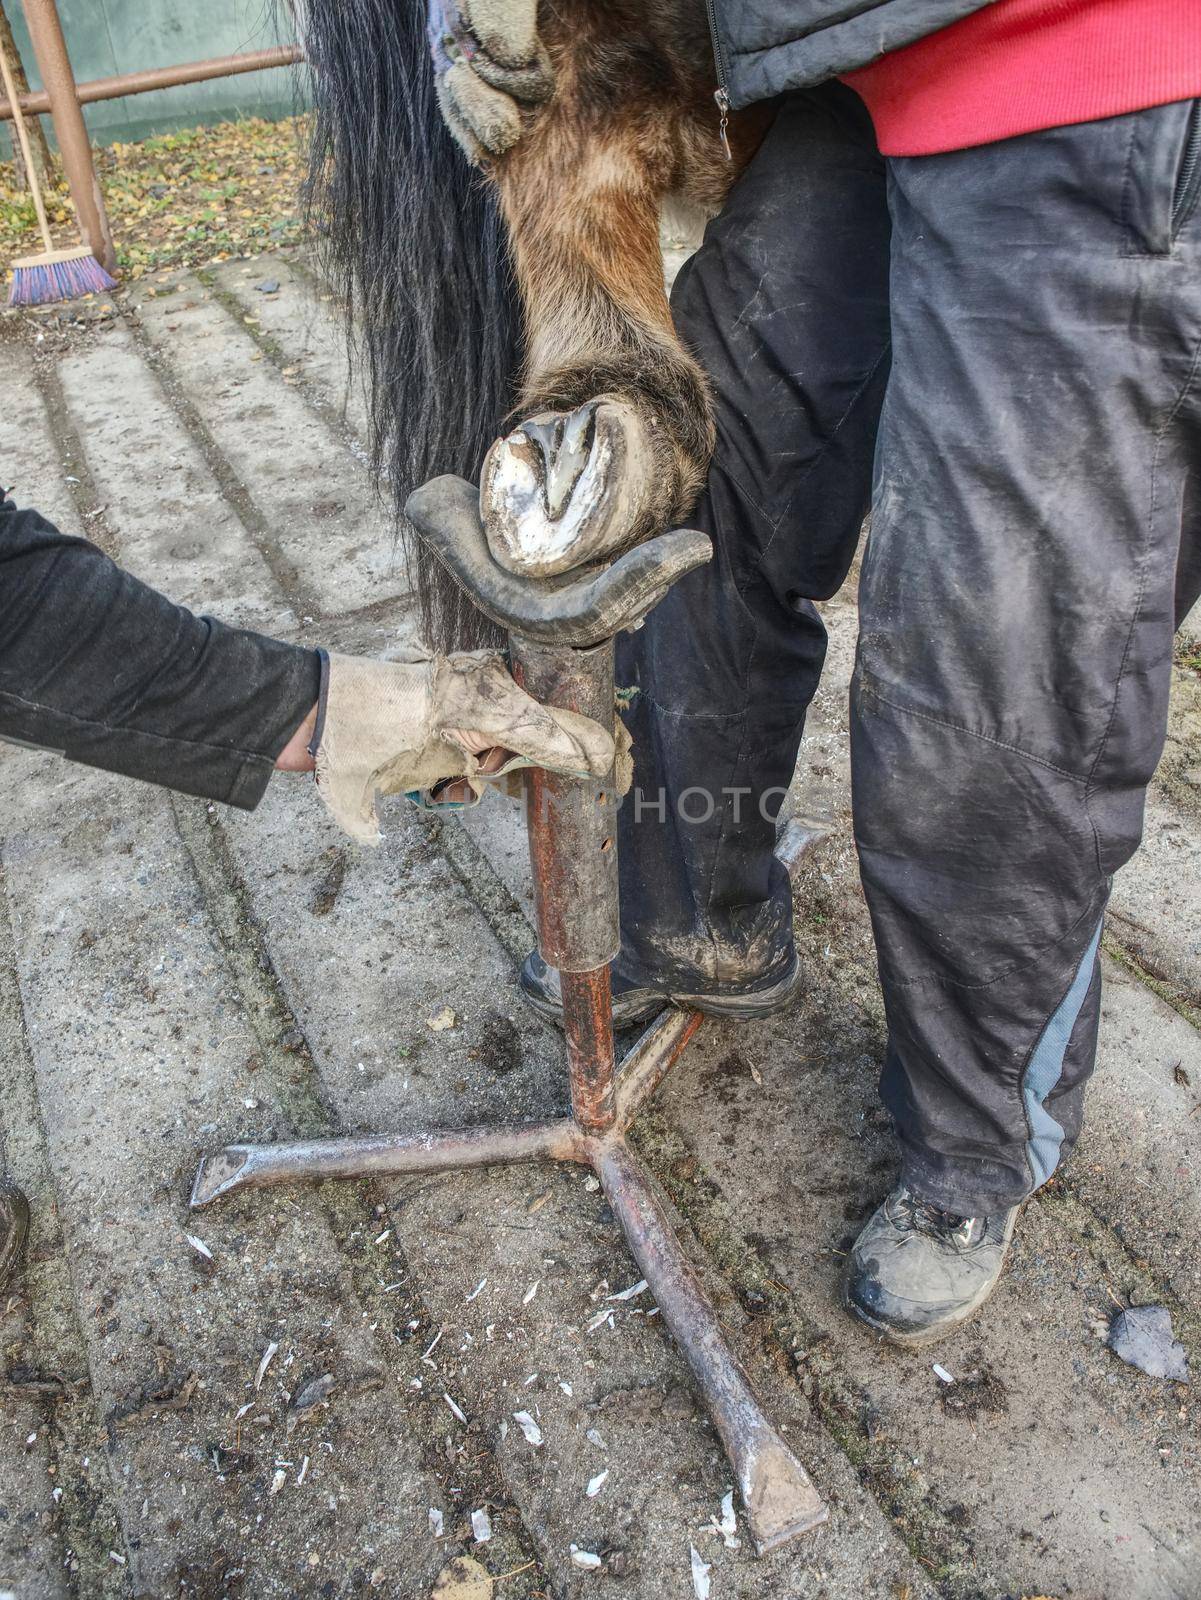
(565, 488)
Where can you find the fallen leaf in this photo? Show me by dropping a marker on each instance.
(463, 1579)
(307, 1399)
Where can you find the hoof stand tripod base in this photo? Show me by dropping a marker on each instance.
(561, 634)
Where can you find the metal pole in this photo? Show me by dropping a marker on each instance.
(93, 89)
(50, 48)
(254, 1166)
(779, 1497)
(573, 853)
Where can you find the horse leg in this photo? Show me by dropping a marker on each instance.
(618, 431)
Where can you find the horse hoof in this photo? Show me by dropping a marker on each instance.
(566, 488)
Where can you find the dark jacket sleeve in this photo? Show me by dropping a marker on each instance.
(107, 671)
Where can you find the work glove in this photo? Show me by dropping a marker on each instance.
(404, 727)
(488, 63)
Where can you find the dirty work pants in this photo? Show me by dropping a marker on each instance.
(1035, 538)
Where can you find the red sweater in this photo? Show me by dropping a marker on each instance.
(1019, 65)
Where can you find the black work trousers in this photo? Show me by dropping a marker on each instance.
(1011, 334)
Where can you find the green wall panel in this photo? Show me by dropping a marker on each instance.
(105, 37)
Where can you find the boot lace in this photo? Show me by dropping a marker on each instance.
(921, 1217)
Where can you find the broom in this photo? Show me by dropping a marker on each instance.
(55, 274)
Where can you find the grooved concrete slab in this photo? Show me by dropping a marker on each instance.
(799, 1159)
(295, 323)
(35, 471)
(176, 528)
(316, 504)
(383, 1068)
(143, 1054)
(27, 1481)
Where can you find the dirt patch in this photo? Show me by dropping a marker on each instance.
(722, 1081)
(329, 884)
(1188, 652)
(499, 1047)
(646, 1403)
(975, 1392)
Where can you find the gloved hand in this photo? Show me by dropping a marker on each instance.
(406, 726)
(489, 63)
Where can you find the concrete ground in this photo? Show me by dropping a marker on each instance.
(320, 1407)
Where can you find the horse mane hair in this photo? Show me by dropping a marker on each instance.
(410, 237)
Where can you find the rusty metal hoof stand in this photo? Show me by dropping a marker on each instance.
(561, 634)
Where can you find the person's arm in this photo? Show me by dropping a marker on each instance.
(99, 666)
(297, 754)
(107, 671)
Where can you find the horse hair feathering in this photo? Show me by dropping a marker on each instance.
(410, 237)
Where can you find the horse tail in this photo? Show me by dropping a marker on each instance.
(411, 238)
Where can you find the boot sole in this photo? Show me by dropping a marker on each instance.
(734, 1008)
(914, 1341)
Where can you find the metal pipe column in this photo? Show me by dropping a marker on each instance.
(572, 829)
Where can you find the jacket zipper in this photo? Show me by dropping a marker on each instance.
(1188, 184)
(720, 94)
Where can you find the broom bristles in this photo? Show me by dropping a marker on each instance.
(35, 282)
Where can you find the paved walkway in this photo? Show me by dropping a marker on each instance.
(173, 976)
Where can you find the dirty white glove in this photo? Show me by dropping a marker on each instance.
(394, 727)
(489, 63)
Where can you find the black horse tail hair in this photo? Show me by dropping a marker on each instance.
(410, 237)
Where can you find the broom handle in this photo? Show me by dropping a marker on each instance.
(10, 89)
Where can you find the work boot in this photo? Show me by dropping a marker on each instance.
(633, 1003)
(917, 1272)
(14, 1227)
